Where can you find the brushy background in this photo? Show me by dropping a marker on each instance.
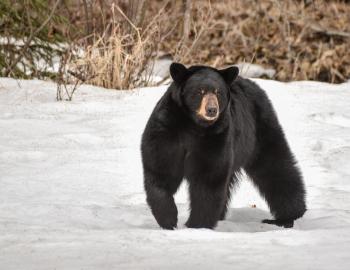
(301, 40)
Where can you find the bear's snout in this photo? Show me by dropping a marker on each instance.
(209, 107)
(211, 111)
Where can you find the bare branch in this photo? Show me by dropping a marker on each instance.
(87, 21)
(187, 19)
(329, 32)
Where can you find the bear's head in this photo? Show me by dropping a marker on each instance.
(203, 91)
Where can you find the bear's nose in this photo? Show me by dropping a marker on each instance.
(211, 111)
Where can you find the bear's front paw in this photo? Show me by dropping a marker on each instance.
(288, 223)
(196, 224)
(166, 216)
(168, 223)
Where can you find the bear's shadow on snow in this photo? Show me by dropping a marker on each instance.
(246, 219)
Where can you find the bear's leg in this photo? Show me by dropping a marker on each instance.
(274, 171)
(159, 191)
(207, 204)
(227, 199)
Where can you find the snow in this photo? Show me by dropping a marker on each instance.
(71, 191)
(249, 70)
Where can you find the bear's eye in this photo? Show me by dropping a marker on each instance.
(201, 92)
(218, 92)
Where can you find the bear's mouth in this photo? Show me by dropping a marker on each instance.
(207, 118)
(209, 108)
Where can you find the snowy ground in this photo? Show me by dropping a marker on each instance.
(71, 193)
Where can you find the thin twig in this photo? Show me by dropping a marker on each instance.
(187, 19)
(140, 13)
(130, 22)
(87, 22)
(329, 32)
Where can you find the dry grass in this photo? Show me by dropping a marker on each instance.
(301, 40)
(119, 58)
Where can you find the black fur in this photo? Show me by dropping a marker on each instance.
(177, 144)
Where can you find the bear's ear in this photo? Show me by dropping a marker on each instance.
(229, 74)
(178, 72)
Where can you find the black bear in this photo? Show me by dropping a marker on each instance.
(208, 126)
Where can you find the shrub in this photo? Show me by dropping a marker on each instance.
(30, 38)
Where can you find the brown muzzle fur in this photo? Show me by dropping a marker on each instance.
(209, 108)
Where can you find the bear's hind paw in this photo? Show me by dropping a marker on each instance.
(289, 223)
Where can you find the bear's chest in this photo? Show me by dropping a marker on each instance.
(205, 155)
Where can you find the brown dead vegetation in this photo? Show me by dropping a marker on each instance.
(301, 40)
